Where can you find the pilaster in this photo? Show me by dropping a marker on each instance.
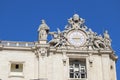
(105, 66)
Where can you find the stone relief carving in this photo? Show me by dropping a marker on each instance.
(76, 22)
(91, 59)
(94, 41)
(36, 53)
(43, 31)
(64, 58)
(41, 52)
(58, 39)
(99, 42)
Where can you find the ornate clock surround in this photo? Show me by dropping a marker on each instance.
(76, 37)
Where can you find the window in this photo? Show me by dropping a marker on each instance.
(16, 69)
(77, 68)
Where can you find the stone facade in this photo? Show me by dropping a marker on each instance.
(76, 53)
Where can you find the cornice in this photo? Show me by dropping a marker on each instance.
(61, 50)
(17, 48)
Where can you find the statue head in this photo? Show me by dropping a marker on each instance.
(43, 26)
(43, 21)
(106, 31)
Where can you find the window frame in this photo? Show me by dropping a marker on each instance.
(86, 73)
(16, 74)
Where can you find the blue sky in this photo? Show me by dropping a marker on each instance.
(19, 19)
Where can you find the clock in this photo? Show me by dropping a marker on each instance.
(76, 38)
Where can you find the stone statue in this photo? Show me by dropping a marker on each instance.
(99, 42)
(106, 35)
(43, 31)
(91, 35)
(107, 39)
(58, 39)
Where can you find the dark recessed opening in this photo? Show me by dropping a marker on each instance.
(17, 66)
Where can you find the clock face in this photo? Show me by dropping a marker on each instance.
(76, 38)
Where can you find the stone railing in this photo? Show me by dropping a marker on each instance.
(17, 44)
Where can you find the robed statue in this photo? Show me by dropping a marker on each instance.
(43, 31)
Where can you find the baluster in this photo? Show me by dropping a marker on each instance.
(26, 44)
(17, 44)
(8, 44)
